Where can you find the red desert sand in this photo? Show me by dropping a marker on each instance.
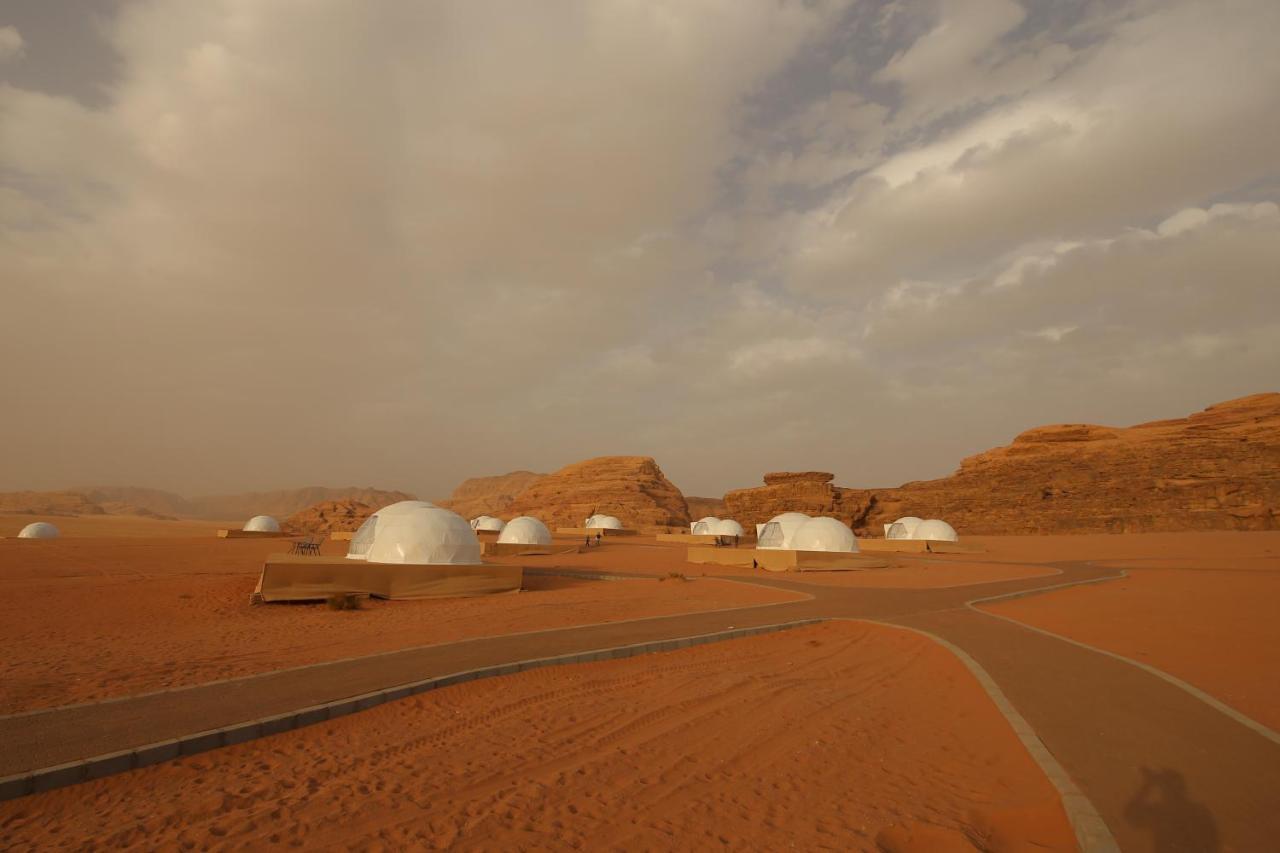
(89, 619)
(1200, 606)
(841, 736)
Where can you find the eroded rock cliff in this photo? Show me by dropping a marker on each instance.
(631, 487)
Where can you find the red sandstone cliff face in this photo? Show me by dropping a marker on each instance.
(1216, 470)
(702, 507)
(631, 487)
(489, 495)
(328, 516)
(49, 503)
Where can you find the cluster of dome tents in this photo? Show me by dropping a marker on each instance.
(910, 527)
(712, 526)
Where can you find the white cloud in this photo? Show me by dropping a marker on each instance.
(12, 46)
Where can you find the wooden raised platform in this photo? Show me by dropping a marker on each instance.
(688, 538)
(775, 560)
(252, 534)
(918, 546)
(296, 577)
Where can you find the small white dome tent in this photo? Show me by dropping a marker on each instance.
(726, 527)
(777, 532)
(525, 530)
(487, 522)
(897, 530)
(39, 530)
(603, 522)
(824, 534)
(707, 520)
(935, 530)
(909, 524)
(262, 524)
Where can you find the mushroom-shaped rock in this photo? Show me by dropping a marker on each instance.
(525, 530)
(39, 530)
(262, 524)
(415, 532)
(935, 530)
(824, 534)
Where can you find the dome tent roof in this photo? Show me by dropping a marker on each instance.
(726, 527)
(896, 530)
(603, 522)
(908, 522)
(39, 530)
(525, 530)
(936, 530)
(487, 522)
(824, 534)
(415, 532)
(778, 531)
(707, 520)
(262, 524)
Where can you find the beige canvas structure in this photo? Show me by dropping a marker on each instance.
(778, 560)
(918, 546)
(294, 577)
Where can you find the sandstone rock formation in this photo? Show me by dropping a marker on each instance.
(49, 503)
(1216, 470)
(280, 504)
(631, 487)
(489, 495)
(328, 516)
(702, 507)
(809, 492)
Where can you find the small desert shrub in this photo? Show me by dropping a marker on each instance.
(674, 576)
(344, 601)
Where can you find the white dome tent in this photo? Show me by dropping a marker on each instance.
(602, 522)
(415, 532)
(262, 524)
(908, 524)
(525, 530)
(777, 532)
(39, 530)
(487, 522)
(824, 534)
(707, 521)
(935, 530)
(726, 527)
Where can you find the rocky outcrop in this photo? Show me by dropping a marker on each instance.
(809, 492)
(489, 495)
(49, 503)
(702, 507)
(631, 487)
(329, 516)
(1216, 470)
(280, 504)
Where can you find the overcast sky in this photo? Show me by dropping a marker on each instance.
(252, 244)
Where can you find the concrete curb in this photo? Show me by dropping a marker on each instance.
(1091, 831)
(97, 767)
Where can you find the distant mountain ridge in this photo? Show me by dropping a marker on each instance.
(136, 500)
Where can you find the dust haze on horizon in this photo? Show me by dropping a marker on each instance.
(252, 245)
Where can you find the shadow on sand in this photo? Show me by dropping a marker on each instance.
(1176, 823)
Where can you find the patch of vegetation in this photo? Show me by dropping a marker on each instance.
(344, 601)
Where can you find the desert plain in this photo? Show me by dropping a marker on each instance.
(902, 712)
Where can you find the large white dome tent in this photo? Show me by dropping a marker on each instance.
(39, 530)
(935, 530)
(603, 522)
(525, 530)
(415, 532)
(487, 522)
(703, 525)
(824, 534)
(903, 528)
(726, 527)
(262, 524)
(777, 531)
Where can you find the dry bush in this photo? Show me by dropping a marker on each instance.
(344, 601)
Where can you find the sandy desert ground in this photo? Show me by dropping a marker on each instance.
(132, 526)
(88, 619)
(839, 736)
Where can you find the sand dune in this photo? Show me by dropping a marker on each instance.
(833, 737)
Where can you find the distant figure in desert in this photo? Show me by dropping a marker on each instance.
(1176, 822)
